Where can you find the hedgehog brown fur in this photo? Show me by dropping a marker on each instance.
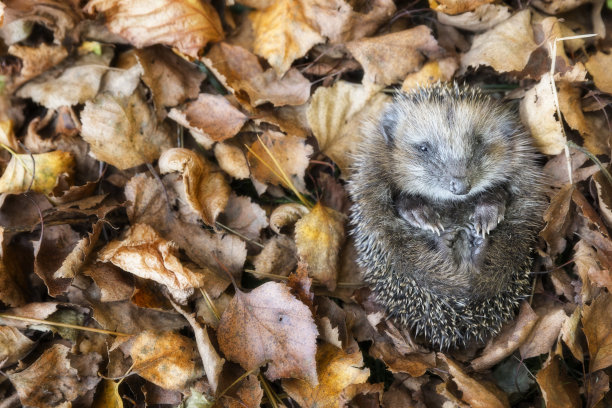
(448, 200)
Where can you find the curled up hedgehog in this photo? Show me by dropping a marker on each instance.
(448, 200)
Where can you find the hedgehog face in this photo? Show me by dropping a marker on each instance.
(447, 148)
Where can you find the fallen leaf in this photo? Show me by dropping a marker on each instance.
(50, 380)
(206, 189)
(166, 359)
(45, 169)
(441, 70)
(570, 334)
(57, 16)
(538, 112)
(282, 34)
(185, 24)
(506, 47)
(210, 119)
(558, 217)
(319, 236)
(509, 339)
(286, 215)
(597, 387)
(74, 81)
(476, 393)
(482, 18)
(290, 152)
(123, 131)
(598, 65)
(260, 327)
(336, 371)
(171, 79)
(558, 389)
(35, 60)
(456, 6)
(13, 346)
(278, 257)
(544, 334)
(378, 55)
(558, 6)
(109, 396)
(248, 395)
(144, 253)
(244, 216)
(596, 327)
(232, 160)
(335, 115)
(115, 285)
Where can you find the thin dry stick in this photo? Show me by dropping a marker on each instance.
(553, 87)
(66, 325)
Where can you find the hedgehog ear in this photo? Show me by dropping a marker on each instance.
(387, 126)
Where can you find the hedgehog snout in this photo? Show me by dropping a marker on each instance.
(459, 185)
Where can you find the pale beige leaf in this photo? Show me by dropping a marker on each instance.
(244, 217)
(286, 215)
(278, 257)
(260, 327)
(36, 60)
(206, 189)
(441, 70)
(232, 160)
(506, 47)
(282, 34)
(598, 66)
(456, 6)
(123, 131)
(144, 253)
(292, 154)
(335, 115)
(538, 113)
(481, 18)
(166, 359)
(336, 370)
(46, 169)
(558, 6)
(13, 346)
(545, 332)
(184, 24)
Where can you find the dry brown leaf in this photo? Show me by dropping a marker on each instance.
(212, 363)
(510, 338)
(206, 189)
(506, 47)
(570, 334)
(166, 359)
(232, 160)
(341, 21)
(13, 346)
(558, 389)
(538, 112)
(45, 168)
(210, 119)
(456, 6)
(171, 79)
(286, 215)
(244, 216)
(378, 55)
(290, 152)
(187, 25)
(278, 257)
(144, 253)
(597, 387)
(319, 236)
(336, 371)
(260, 327)
(36, 60)
(546, 330)
(248, 395)
(558, 217)
(50, 380)
(558, 6)
(72, 82)
(478, 394)
(597, 329)
(60, 17)
(123, 131)
(115, 285)
(335, 113)
(598, 66)
(243, 74)
(282, 34)
(441, 70)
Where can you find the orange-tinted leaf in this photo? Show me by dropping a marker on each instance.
(559, 390)
(598, 331)
(456, 6)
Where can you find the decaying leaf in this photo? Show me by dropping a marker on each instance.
(598, 66)
(319, 236)
(336, 371)
(456, 6)
(558, 389)
(557, 218)
(441, 70)
(37, 172)
(206, 189)
(13, 345)
(597, 329)
(282, 34)
(166, 359)
(481, 18)
(185, 24)
(260, 327)
(144, 253)
(122, 131)
(244, 216)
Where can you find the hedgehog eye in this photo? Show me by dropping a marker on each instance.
(423, 147)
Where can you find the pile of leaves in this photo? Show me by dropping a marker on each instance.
(173, 211)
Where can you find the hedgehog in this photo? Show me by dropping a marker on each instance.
(448, 198)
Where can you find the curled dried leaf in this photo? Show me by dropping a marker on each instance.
(286, 215)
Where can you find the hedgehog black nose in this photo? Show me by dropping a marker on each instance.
(459, 186)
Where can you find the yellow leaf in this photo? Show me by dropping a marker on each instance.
(46, 168)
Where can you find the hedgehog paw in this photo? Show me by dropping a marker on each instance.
(422, 217)
(486, 217)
